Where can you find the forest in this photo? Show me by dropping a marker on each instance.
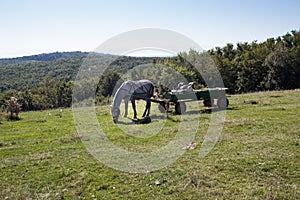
(46, 81)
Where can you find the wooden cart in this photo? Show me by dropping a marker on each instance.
(178, 99)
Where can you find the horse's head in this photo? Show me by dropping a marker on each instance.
(115, 113)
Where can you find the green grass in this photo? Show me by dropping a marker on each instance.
(257, 156)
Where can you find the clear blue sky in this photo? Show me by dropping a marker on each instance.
(42, 26)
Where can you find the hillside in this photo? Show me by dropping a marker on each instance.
(30, 71)
(42, 57)
(29, 75)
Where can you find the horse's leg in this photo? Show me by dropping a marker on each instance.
(126, 107)
(134, 108)
(147, 109)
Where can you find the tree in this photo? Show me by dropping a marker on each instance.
(13, 107)
(283, 69)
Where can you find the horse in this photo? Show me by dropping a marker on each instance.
(132, 90)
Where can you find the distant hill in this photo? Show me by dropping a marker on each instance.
(29, 71)
(43, 57)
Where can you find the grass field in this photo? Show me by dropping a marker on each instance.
(257, 155)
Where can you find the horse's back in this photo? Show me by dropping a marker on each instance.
(143, 87)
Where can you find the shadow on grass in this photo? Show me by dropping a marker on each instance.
(209, 110)
(276, 96)
(233, 108)
(145, 120)
(154, 118)
(13, 118)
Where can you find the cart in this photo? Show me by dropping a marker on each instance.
(178, 99)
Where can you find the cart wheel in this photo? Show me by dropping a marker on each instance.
(162, 108)
(223, 103)
(207, 102)
(180, 108)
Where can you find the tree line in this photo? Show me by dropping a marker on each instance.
(271, 65)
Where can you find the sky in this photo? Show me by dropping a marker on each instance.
(34, 26)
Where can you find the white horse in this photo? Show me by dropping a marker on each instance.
(132, 90)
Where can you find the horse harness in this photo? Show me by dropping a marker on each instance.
(140, 91)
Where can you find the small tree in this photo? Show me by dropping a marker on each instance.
(13, 107)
